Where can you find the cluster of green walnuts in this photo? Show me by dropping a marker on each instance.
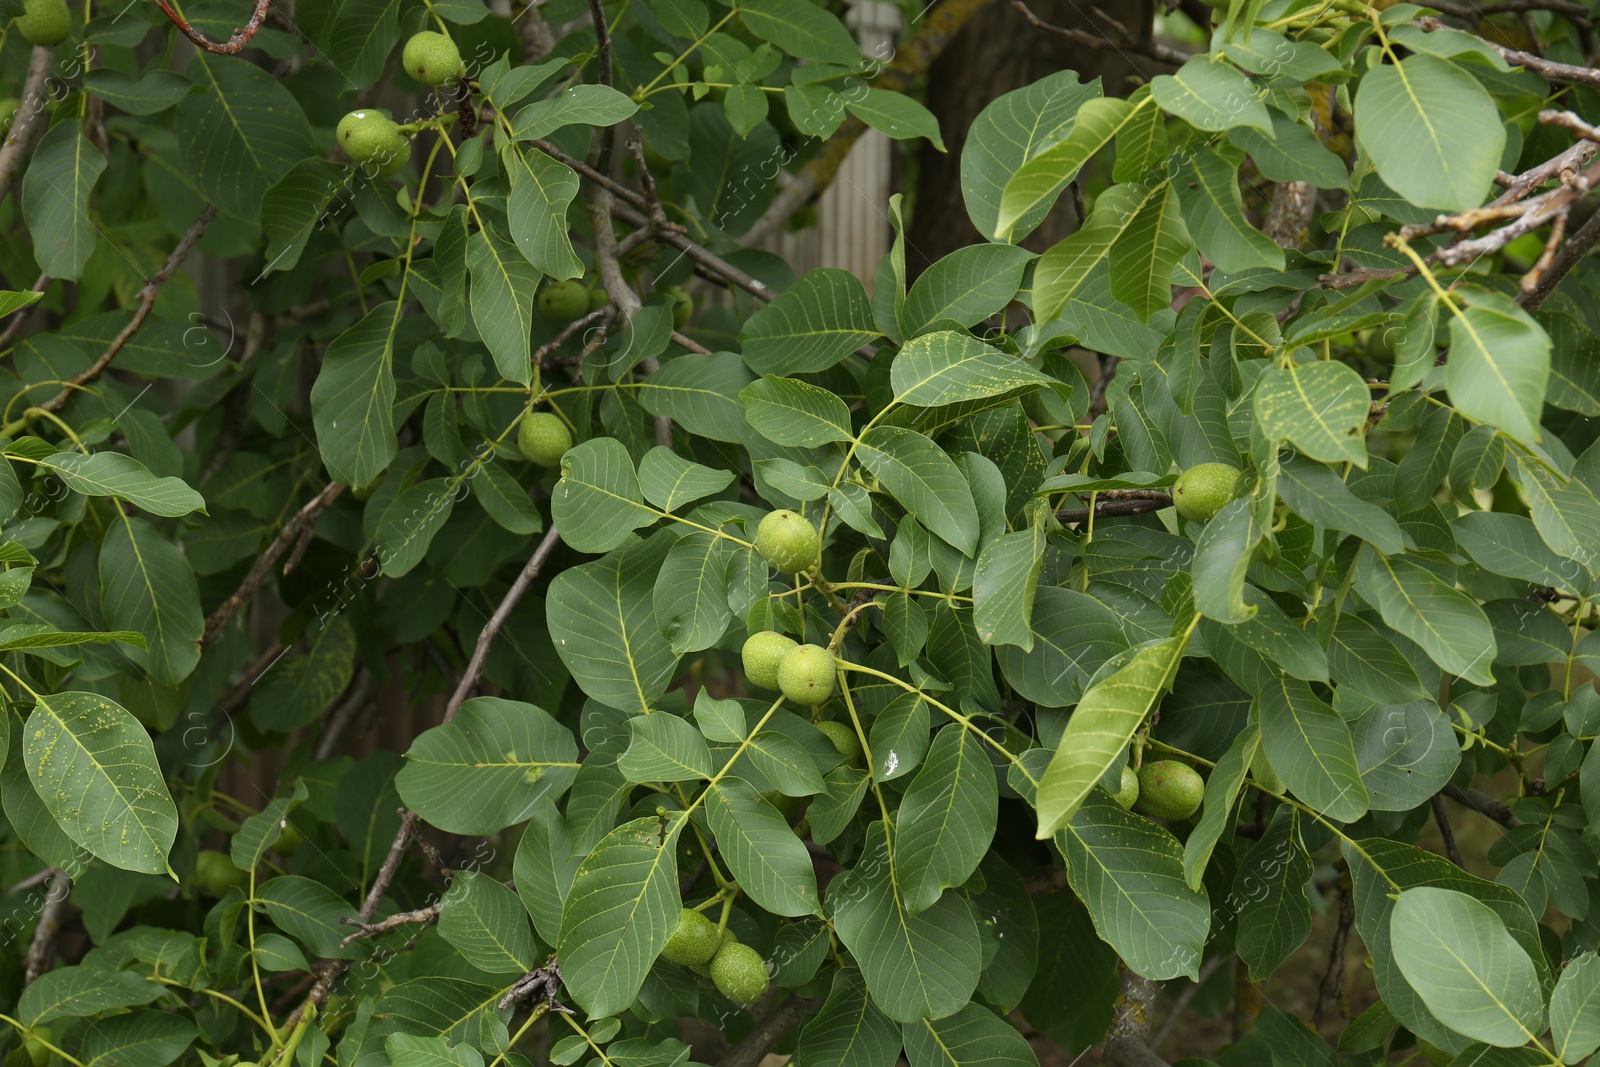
(44, 22)
(370, 137)
(737, 970)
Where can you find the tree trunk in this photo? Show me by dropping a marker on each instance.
(994, 54)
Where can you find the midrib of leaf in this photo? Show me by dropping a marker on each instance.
(222, 98)
(1445, 947)
(132, 810)
(1416, 101)
(1412, 604)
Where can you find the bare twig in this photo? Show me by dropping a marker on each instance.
(573, 327)
(597, 15)
(1441, 817)
(690, 343)
(233, 45)
(1548, 69)
(1109, 508)
(491, 629)
(768, 1032)
(303, 519)
(1330, 993)
(422, 916)
(356, 701)
(1483, 804)
(19, 139)
(43, 949)
(1127, 42)
(20, 316)
(1577, 246)
(147, 303)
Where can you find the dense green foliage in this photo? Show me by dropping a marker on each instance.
(842, 620)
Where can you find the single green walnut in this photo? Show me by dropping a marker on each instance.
(740, 973)
(215, 874)
(787, 806)
(1128, 794)
(290, 837)
(394, 157)
(45, 22)
(806, 675)
(368, 136)
(432, 58)
(762, 654)
(694, 941)
(598, 297)
(787, 541)
(564, 301)
(9, 108)
(543, 438)
(844, 740)
(1170, 790)
(681, 303)
(1205, 489)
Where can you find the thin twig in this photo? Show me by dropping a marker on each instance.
(303, 519)
(1128, 1040)
(1548, 69)
(43, 949)
(690, 343)
(359, 696)
(147, 303)
(422, 916)
(491, 629)
(1331, 990)
(1441, 817)
(20, 316)
(597, 15)
(1577, 246)
(768, 1032)
(1104, 509)
(1155, 50)
(1483, 804)
(233, 45)
(575, 326)
(19, 139)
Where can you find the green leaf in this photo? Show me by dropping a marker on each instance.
(536, 211)
(1575, 1008)
(691, 593)
(1008, 132)
(411, 522)
(770, 863)
(1317, 494)
(1291, 153)
(1004, 585)
(503, 289)
(964, 288)
(849, 1030)
(506, 500)
(410, 1050)
(1129, 873)
(819, 320)
(949, 367)
(587, 105)
(622, 908)
(597, 504)
(544, 868)
(700, 392)
(1309, 745)
(1446, 622)
(353, 397)
(925, 481)
(1222, 554)
(1457, 954)
(298, 689)
(664, 748)
(1406, 753)
(362, 35)
(1074, 634)
(262, 830)
(1210, 95)
(790, 412)
(82, 991)
(240, 134)
(1214, 212)
(946, 819)
(1124, 692)
(1431, 130)
(1320, 407)
(487, 768)
(1499, 365)
(1222, 793)
(487, 924)
(973, 1037)
(922, 966)
(1274, 916)
(26, 636)
(1144, 255)
(146, 584)
(55, 199)
(1068, 266)
(293, 207)
(1565, 512)
(605, 630)
(137, 1039)
(310, 912)
(669, 480)
(801, 29)
(1038, 177)
(95, 769)
(894, 114)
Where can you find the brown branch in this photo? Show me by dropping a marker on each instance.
(690, 343)
(1548, 69)
(147, 303)
(20, 316)
(768, 1032)
(1483, 804)
(43, 949)
(1331, 990)
(1155, 50)
(1577, 246)
(19, 139)
(1104, 509)
(422, 916)
(621, 191)
(1127, 1044)
(597, 15)
(491, 629)
(575, 326)
(355, 701)
(1478, 12)
(1441, 817)
(233, 45)
(303, 519)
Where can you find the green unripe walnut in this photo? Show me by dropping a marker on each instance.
(46, 22)
(290, 837)
(564, 301)
(681, 303)
(432, 58)
(1205, 489)
(598, 297)
(543, 438)
(844, 740)
(1128, 793)
(762, 654)
(806, 675)
(215, 874)
(368, 136)
(1170, 790)
(740, 973)
(787, 541)
(394, 157)
(694, 941)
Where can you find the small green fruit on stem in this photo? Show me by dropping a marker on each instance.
(1128, 793)
(740, 973)
(1170, 790)
(45, 22)
(543, 438)
(806, 675)
(1205, 489)
(787, 541)
(844, 740)
(432, 58)
(564, 302)
(694, 941)
(762, 654)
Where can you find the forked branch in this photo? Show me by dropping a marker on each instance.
(233, 45)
